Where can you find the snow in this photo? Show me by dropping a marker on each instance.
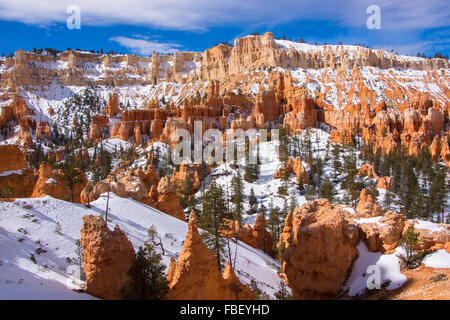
(29, 224)
(350, 210)
(7, 173)
(389, 267)
(427, 225)
(437, 259)
(375, 220)
(50, 181)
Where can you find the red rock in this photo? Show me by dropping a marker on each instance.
(50, 183)
(384, 183)
(196, 275)
(321, 250)
(108, 255)
(367, 208)
(384, 237)
(287, 229)
(11, 158)
(257, 237)
(292, 166)
(168, 201)
(113, 105)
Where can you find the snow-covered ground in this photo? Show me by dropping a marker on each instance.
(438, 259)
(28, 226)
(369, 265)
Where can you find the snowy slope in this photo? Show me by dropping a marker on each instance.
(29, 224)
(387, 265)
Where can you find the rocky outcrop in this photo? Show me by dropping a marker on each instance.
(11, 158)
(196, 275)
(320, 252)
(142, 186)
(133, 183)
(257, 237)
(287, 229)
(431, 240)
(292, 166)
(168, 201)
(368, 170)
(51, 183)
(383, 236)
(16, 179)
(195, 173)
(367, 207)
(108, 255)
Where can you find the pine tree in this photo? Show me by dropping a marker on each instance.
(409, 188)
(438, 193)
(387, 200)
(262, 210)
(213, 221)
(336, 161)
(251, 173)
(293, 204)
(274, 221)
(71, 176)
(237, 197)
(147, 274)
(327, 191)
(411, 259)
(253, 202)
(283, 292)
(300, 185)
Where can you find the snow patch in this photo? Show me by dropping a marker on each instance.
(389, 267)
(438, 259)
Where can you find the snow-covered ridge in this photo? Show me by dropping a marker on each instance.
(54, 225)
(350, 49)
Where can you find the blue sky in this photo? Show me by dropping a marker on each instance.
(141, 26)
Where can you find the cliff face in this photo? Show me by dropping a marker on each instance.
(390, 99)
(16, 179)
(75, 68)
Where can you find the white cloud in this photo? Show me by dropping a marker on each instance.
(204, 14)
(146, 47)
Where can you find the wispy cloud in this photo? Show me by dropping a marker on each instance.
(204, 14)
(146, 47)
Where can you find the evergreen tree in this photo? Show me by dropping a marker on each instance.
(213, 221)
(411, 259)
(336, 161)
(327, 191)
(262, 210)
(147, 274)
(253, 202)
(410, 187)
(438, 194)
(293, 204)
(300, 185)
(274, 221)
(237, 196)
(283, 292)
(71, 176)
(251, 173)
(387, 200)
